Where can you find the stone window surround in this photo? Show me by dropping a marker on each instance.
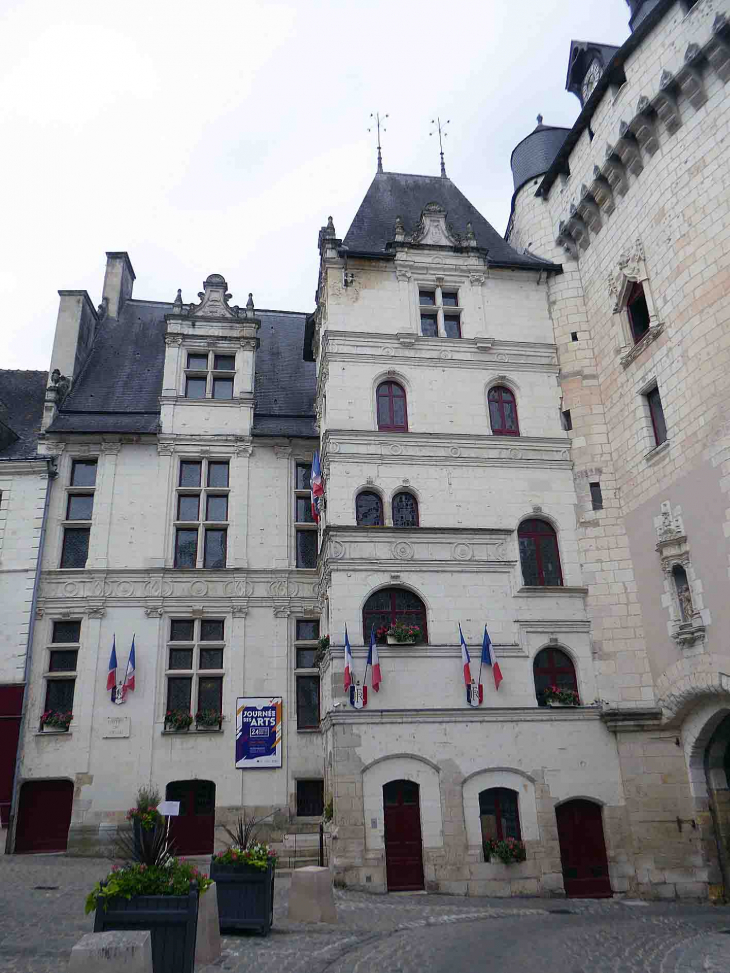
(202, 491)
(438, 308)
(386, 499)
(70, 490)
(631, 269)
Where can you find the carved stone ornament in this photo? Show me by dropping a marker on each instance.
(630, 267)
(403, 550)
(214, 300)
(432, 230)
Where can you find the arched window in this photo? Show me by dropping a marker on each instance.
(368, 509)
(392, 411)
(503, 412)
(391, 605)
(539, 553)
(499, 815)
(405, 510)
(553, 668)
(638, 311)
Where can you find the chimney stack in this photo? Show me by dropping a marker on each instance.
(118, 282)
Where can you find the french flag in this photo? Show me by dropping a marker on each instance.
(349, 667)
(374, 662)
(465, 658)
(316, 485)
(111, 679)
(489, 658)
(129, 675)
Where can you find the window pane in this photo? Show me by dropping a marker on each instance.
(63, 660)
(368, 510)
(638, 312)
(405, 510)
(550, 562)
(657, 416)
(407, 601)
(198, 362)
(211, 658)
(218, 474)
(215, 549)
(495, 414)
(310, 798)
(384, 416)
(178, 693)
(217, 508)
(510, 416)
(75, 547)
(306, 548)
(528, 559)
(194, 388)
(452, 326)
(307, 702)
(304, 473)
(307, 629)
(211, 630)
(60, 695)
(305, 658)
(210, 694)
(187, 507)
(186, 548)
(399, 410)
(181, 659)
(449, 298)
(80, 506)
(66, 632)
(222, 388)
(596, 496)
(429, 328)
(427, 298)
(190, 473)
(304, 510)
(225, 363)
(83, 473)
(181, 630)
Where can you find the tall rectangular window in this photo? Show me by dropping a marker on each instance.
(61, 668)
(79, 503)
(440, 312)
(201, 514)
(209, 375)
(305, 529)
(596, 496)
(195, 668)
(659, 425)
(307, 673)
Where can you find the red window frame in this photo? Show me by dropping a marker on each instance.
(498, 395)
(409, 616)
(499, 797)
(528, 530)
(554, 664)
(388, 392)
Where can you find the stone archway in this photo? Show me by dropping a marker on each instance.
(707, 745)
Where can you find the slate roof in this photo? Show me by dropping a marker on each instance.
(393, 194)
(534, 154)
(22, 393)
(118, 388)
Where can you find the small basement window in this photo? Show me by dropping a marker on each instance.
(596, 496)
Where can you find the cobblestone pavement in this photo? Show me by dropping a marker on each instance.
(42, 916)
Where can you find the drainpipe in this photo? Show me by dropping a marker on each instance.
(10, 839)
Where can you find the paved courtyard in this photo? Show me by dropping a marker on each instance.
(42, 916)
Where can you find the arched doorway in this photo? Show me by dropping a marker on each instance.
(192, 831)
(716, 760)
(403, 844)
(583, 850)
(44, 816)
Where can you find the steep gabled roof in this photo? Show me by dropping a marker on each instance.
(21, 409)
(395, 194)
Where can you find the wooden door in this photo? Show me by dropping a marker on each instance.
(403, 846)
(583, 850)
(192, 831)
(11, 705)
(44, 816)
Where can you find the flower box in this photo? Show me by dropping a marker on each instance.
(172, 920)
(556, 705)
(245, 895)
(392, 640)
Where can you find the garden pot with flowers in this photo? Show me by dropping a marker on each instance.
(401, 634)
(178, 720)
(146, 819)
(507, 850)
(244, 877)
(56, 722)
(555, 696)
(208, 719)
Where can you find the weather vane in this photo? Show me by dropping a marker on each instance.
(442, 133)
(378, 123)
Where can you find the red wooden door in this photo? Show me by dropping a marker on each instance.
(44, 815)
(192, 831)
(403, 846)
(583, 850)
(11, 704)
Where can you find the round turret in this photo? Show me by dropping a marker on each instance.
(534, 154)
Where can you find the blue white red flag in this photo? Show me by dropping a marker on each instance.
(317, 487)
(465, 658)
(129, 675)
(349, 666)
(111, 679)
(489, 658)
(374, 662)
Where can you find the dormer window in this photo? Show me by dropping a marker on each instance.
(209, 375)
(440, 312)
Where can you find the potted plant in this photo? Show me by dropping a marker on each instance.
(508, 850)
(402, 634)
(208, 719)
(323, 644)
(155, 891)
(178, 720)
(146, 819)
(555, 696)
(381, 634)
(244, 877)
(60, 722)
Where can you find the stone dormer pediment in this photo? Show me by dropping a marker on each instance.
(432, 229)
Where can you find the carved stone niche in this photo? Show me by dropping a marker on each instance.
(631, 269)
(686, 624)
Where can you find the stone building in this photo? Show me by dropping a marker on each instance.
(523, 433)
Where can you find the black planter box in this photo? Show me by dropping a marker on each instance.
(172, 920)
(245, 896)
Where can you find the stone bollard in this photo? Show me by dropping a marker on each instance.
(208, 938)
(112, 952)
(311, 898)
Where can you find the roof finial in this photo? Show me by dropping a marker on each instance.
(539, 119)
(442, 133)
(178, 300)
(249, 303)
(376, 116)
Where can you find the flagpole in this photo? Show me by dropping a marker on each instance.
(481, 661)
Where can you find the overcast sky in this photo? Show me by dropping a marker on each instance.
(219, 135)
